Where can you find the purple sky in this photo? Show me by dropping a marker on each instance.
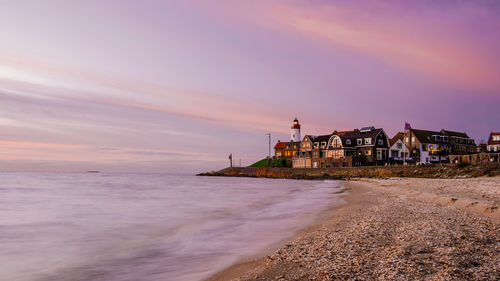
(166, 86)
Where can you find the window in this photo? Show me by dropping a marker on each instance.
(368, 152)
(380, 142)
(496, 138)
(406, 139)
(368, 141)
(316, 144)
(379, 154)
(412, 139)
(399, 145)
(360, 141)
(323, 143)
(337, 154)
(348, 141)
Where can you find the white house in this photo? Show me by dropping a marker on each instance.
(398, 150)
(494, 142)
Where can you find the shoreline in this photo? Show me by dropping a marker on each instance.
(411, 228)
(351, 198)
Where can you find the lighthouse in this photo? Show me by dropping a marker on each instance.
(296, 131)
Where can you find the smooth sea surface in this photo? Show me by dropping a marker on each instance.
(110, 227)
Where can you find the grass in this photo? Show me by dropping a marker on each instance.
(275, 163)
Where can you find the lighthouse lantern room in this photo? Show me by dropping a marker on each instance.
(296, 131)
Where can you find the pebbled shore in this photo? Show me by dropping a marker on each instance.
(395, 229)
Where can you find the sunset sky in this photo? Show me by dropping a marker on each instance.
(167, 86)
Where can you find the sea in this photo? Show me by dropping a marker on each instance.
(129, 227)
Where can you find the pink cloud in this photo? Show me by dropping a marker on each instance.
(428, 45)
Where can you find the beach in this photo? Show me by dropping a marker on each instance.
(394, 229)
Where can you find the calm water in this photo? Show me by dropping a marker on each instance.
(107, 227)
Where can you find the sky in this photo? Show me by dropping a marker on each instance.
(175, 86)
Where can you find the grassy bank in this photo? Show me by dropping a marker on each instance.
(423, 171)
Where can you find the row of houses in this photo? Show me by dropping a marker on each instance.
(372, 146)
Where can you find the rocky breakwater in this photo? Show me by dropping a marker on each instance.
(423, 171)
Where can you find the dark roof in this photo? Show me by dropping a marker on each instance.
(356, 134)
(454, 134)
(322, 138)
(490, 141)
(344, 136)
(425, 136)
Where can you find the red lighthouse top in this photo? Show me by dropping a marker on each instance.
(296, 124)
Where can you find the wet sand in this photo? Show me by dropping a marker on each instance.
(394, 229)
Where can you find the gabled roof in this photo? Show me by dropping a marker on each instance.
(398, 136)
(425, 136)
(490, 141)
(280, 145)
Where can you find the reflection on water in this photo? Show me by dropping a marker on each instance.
(106, 227)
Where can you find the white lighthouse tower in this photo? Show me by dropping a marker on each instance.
(296, 131)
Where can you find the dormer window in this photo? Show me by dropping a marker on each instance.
(348, 141)
(360, 141)
(368, 141)
(316, 144)
(323, 143)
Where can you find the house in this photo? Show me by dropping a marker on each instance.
(398, 150)
(372, 146)
(341, 144)
(341, 149)
(303, 158)
(312, 153)
(460, 143)
(278, 149)
(494, 142)
(428, 146)
(286, 149)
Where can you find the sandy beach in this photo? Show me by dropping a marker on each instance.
(394, 229)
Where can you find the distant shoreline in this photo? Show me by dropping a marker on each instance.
(408, 171)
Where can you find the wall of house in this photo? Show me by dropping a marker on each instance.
(301, 162)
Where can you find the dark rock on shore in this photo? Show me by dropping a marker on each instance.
(423, 171)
